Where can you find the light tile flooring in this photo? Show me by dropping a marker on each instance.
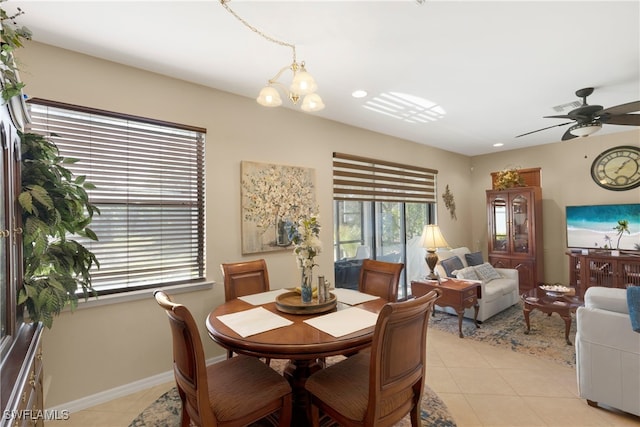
(482, 385)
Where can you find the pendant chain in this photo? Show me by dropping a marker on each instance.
(255, 30)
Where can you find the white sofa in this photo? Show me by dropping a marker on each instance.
(497, 294)
(607, 351)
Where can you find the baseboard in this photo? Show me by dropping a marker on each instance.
(121, 391)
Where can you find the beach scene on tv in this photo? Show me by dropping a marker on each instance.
(604, 227)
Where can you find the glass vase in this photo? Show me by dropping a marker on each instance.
(306, 293)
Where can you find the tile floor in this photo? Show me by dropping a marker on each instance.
(482, 385)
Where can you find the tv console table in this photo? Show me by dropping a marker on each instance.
(600, 268)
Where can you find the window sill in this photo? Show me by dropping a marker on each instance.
(138, 295)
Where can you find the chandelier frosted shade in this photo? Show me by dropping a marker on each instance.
(303, 83)
(585, 129)
(269, 97)
(311, 103)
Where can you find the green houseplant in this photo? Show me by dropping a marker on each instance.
(55, 207)
(11, 38)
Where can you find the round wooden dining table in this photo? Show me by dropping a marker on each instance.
(301, 344)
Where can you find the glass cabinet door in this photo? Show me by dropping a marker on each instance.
(520, 224)
(500, 225)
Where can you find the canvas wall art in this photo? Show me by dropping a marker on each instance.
(272, 195)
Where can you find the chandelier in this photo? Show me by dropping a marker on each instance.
(303, 86)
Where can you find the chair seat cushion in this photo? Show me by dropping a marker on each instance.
(344, 386)
(230, 379)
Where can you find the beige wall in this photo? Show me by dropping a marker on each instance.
(97, 349)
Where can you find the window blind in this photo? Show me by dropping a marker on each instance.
(364, 179)
(149, 178)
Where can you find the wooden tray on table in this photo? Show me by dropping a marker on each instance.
(290, 302)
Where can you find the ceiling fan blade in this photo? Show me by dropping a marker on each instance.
(623, 119)
(563, 116)
(629, 107)
(568, 135)
(549, 127)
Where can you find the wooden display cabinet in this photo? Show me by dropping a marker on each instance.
(600, 268)
(21, 399)
(515, 233)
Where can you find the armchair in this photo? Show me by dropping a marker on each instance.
(607, 351)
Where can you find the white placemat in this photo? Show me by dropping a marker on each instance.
(253, 321)
(352, 297)
(262, 297)
(343, 322)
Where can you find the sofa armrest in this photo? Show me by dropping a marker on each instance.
(608, 299)
(607, 328)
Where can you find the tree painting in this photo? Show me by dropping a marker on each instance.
(272, 195)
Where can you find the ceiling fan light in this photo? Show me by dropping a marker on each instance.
(312, 102)
(269, 97)
(585, 129)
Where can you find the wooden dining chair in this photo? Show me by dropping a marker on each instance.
(379, 386)
(234, 392)
(244, 278)
(380, 278)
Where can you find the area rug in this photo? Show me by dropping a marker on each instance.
(165, 411)
(507, 330)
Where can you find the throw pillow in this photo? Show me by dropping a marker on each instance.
(486, 272)
(468, 273)
(474, 258)
(451, 264)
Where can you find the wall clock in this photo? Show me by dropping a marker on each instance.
(617, 168)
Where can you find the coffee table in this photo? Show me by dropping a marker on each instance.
(549, 302)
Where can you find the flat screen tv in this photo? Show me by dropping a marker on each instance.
(593, 226)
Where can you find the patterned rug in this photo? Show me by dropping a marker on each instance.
(507, 330)
(165, 411)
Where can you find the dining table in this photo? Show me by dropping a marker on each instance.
(254, 325)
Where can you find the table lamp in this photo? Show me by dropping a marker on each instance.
(431, 240)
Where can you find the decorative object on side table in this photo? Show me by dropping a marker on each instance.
(306, 241)
(432, 239)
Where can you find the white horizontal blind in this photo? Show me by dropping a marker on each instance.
(362, 179)
(150, 191)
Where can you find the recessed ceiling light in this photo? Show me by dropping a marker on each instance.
(359, 93)
(498, 144)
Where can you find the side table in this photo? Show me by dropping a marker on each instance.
(456, 293)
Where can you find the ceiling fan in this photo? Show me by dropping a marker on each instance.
(588, 119)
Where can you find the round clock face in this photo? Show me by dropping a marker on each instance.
(617, 168)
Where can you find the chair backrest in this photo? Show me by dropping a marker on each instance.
(189, 366)
(245, 278)
(380, 278)
(398, 359)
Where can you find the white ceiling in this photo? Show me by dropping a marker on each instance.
(496, 68)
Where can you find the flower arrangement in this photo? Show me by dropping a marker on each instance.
(509, 178)
(305, 236)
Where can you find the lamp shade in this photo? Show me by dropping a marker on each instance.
(432, 237)
(585, 129)
(312, 102)
(303, 83)
(269, 97)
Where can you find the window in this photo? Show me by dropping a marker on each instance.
(149, 178)
(380, 209)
